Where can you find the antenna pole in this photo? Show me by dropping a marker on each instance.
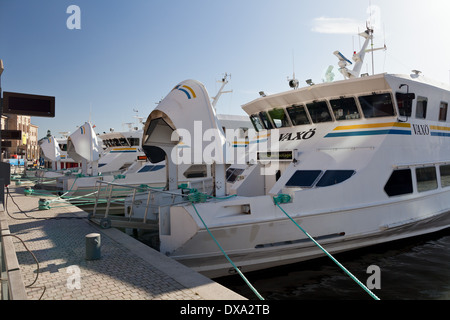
(224, 83)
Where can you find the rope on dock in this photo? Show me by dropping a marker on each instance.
(284, 198)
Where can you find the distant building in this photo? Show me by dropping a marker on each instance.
(27, 147)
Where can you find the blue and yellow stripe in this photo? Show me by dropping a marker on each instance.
(190, 93)
(396, 128)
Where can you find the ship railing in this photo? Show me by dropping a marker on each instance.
(156, 202)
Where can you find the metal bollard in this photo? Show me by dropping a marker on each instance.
(93, 246)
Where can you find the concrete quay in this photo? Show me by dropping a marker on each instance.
(127, 269)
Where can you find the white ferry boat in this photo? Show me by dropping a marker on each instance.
(355, 163)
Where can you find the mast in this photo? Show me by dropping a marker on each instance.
(224, 82)
(358, 58)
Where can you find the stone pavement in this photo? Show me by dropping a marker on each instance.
(127, 269)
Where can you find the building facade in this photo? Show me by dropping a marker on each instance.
(28, 147)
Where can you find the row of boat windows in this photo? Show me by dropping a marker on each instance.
(121, 142)
(344, 108)
(401, 181)
(372, 106)
(404, 102)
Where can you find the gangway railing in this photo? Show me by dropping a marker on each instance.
(152, 201)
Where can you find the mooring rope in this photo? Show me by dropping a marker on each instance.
(283, 198)
(196, 197)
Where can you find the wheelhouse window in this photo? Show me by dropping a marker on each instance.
(400, 182)
(279, 118)
(133, 141)
(404, 103)
(332, 177)
(426, 179)
(298, 115)
(256, 121)
(421, 108)
(265, 119)
(445, 175)
(443, 111)
(303, 178)
(319, 111)
(345, 109)
(377, 105)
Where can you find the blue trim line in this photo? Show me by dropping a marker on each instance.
(440, 134)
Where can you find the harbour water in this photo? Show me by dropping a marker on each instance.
(412, 269)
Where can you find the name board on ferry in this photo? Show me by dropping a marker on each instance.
(302, 135)
(421, 129)
(281, 155)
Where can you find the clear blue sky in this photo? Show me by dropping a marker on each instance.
(130, 54)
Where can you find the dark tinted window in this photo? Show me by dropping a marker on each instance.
(426, 179)
(377, 105)
(298, 115)
(303, 178)
(421, 108)
(404, 103)
(256, 122)
(148, 168)
(445, 175)
(399, 183)
(279, 118)
(345, 109)
(443, 111)
(265, 119)
(319, 111)
(332, 177)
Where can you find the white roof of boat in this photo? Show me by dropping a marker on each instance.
(349, 87)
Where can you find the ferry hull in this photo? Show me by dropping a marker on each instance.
(282, 249)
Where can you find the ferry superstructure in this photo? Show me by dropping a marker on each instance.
(356, 162)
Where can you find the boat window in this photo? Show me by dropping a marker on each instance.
(404, 103)
(298, 115)
(319, 111)
(256, 121)
(443, 111)
(279, 118)
(332, 177)
(421, 108)
(303, 178)
(133, 141)
(445, 175)
(345, 109)
(400, 182)
(233, 173)
(426, 179)
(265, 119)
(149, 168)
(377, 105)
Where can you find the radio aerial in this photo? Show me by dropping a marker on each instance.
(293, 83)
